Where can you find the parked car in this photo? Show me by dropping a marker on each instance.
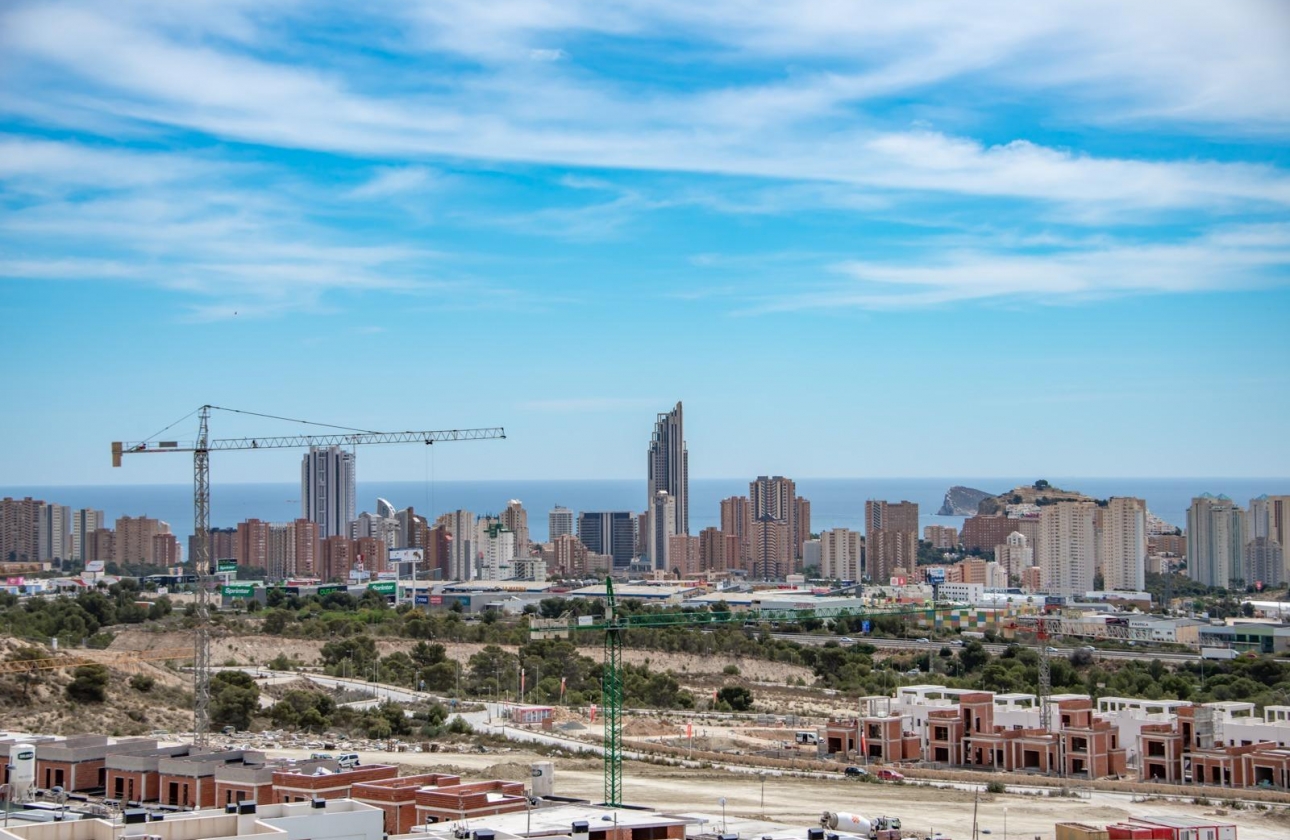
(890, 775)
(847, 640)
(924, 641)
(856, 771)
(347, 760)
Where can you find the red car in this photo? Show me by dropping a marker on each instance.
(891, 776)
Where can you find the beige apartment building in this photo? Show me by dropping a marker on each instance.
(1066, 554)
(891, 537)
(1123, 542)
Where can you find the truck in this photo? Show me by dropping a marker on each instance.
(1218, 653)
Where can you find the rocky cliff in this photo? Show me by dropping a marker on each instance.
(962, 501)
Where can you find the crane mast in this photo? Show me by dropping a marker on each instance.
(201, 559)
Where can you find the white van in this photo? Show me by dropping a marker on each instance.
(347, 761)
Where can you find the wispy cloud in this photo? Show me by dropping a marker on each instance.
(1244, 257)
(394, 181)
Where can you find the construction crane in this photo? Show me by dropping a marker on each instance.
(124, 657)
(201, 448)
(614, 624)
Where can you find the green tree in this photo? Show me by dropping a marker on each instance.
(89, 684)
(737, 697)
(235, 698)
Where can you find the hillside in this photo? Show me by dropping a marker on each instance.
(962, 501)
(1039, 493)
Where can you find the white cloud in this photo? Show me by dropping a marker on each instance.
(547, 55)
(394, 181)
(1227, 260)
(147, 68)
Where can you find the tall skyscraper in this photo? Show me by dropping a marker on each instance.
(1215, 541)
(516, 519)
(55, 533)
(498, 549)
(1066, 553)
(252, 548)
(558, 523)
(891, 538)
(327, 490)
(772, 549)
(609, 532)
(84, 522)
(801, 525)
(1264, 563)
(1123, 538)
(668, 466)
(662, 527)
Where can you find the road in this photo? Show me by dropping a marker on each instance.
(914, 644)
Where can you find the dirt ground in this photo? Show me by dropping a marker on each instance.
(257, 650)
(799, 802)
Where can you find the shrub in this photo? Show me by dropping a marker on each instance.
(996, 786)
(142, 683)
(89, 684)
(731, 670)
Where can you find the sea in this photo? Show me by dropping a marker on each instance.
(835, 502)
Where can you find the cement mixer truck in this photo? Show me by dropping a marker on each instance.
(880, 828)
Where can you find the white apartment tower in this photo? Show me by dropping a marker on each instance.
(327, 490)
(1124, 544)
(516, 520)
(55, 539)
(840, 554)
(497, 556)
(558, 523)
(663, 514)
(85, 521)
(668, 466)
(1215, 540)
(1015, 555)
(1067, 547)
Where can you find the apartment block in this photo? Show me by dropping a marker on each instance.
(303, 785)
(1215, 541)
(1066, 549)
(1123, 544)
(736, 521)
(683, 555)
(841, 554)
(134, 541)
(891, 538)
(943, 537)
(397, 797)
(20, 530)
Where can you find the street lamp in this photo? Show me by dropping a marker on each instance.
(722, 803)
(1005, 822)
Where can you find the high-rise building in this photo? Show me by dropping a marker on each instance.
(1123, 540)
(223, 544)
(609, 532)
(282, 551)
(460, 525)
(55, 533)
(84, 521)
(774, 510)
(100, 544)
(662, 527)
(1215, 541)
(516, 519)
(1015, 554)
(252, 548)
(668, 466)
(718, 551)
(772, 549)
(307, 547)
(683, 556)
(1066, 550)
(378, 527)
(1264, 563)
(165, 550)
(337, 558)
(20, 529)
(569, 555)
(840, 554)
(134, 543)
(891, 538)
(498, 561)
(372, 555)
(942, 537)
(801, 525)
(1279, 522)
(559, 522)
(327, 490)
(736, 521)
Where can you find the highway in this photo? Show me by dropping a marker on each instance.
(915, 645)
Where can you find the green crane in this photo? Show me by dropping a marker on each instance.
(613, 624)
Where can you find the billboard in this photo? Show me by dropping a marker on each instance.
(327, 590)
(385, 587)
(225, 565)
(406, 555)
(423, 600)
(238, 590)
(936, 575)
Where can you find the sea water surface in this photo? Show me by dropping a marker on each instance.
(835, 502)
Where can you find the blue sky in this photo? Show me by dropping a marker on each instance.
(911, 239)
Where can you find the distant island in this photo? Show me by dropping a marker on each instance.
(963, 501)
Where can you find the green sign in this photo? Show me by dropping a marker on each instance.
(238, 590)
(226, 566)
(327, 590)
(385, 587)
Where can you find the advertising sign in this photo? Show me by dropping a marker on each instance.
(327, 590)
(226, 566)
(436, 600)
(936, 575)
(422, 600)
(385, 587)
(238, 590)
